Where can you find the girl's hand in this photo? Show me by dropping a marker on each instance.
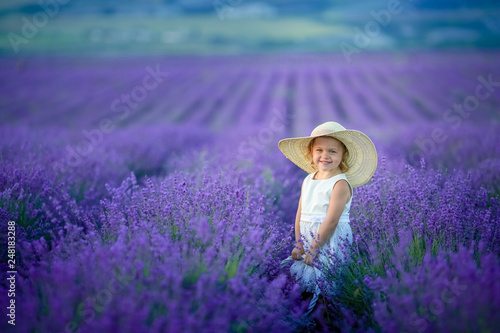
(309, 259)
(297, 253)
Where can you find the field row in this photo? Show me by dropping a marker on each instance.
(221, 92)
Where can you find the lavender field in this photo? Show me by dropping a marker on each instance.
(148, 194)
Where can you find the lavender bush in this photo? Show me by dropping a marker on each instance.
(183, 262)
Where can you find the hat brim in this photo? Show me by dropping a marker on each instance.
(362, 159)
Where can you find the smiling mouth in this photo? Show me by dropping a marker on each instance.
(324, 162)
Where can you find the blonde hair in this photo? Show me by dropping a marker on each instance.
(344, 167)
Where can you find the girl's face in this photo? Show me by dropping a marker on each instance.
(327, 154)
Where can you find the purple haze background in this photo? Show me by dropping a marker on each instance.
(173, 212)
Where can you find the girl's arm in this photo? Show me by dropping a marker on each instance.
(297, 224)
(298, 251)
(338, 199)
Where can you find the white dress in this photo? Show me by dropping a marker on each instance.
(315, 202)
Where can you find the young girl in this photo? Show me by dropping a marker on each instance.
(337, 160)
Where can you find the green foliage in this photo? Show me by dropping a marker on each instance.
(191, 277)
(417, 249)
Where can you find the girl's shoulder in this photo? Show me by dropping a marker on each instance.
(342, 176)
(307, 179)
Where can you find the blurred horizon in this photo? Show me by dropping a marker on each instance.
(220, 27)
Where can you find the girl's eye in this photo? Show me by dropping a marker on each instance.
(332, 151)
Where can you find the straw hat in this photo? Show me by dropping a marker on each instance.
(362, 159)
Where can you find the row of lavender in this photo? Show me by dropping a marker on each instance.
(193, 239)
(221, 92)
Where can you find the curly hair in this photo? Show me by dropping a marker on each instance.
(344, 167)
